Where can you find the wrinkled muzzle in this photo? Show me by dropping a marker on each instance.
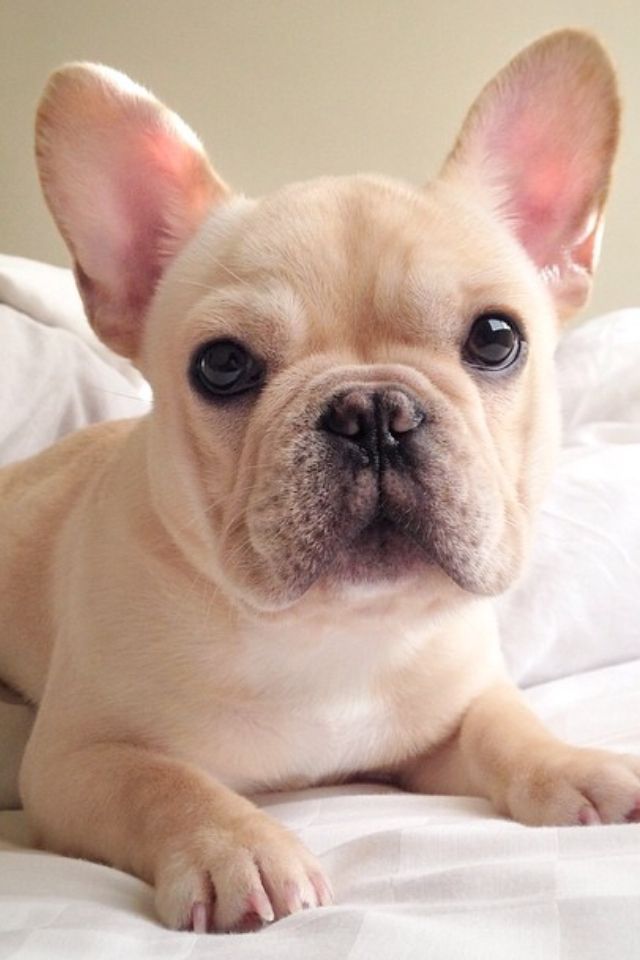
(375, 484)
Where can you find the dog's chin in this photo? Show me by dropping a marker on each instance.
(378, 556)
(381, 553)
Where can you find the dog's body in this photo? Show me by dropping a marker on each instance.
(282, 576)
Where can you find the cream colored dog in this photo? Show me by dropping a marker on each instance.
(283, 575)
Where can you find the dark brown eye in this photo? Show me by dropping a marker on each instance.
(494, 342)
(224, 368)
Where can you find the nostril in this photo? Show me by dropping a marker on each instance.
(349, 415)
(401, 412)
(375, 420)
(343, 424)
(405, 421)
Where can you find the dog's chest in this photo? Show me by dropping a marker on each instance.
(291, 743)
(312, 709)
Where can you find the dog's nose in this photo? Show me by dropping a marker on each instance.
(377, 421)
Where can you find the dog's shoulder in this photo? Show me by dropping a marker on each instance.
(66, 462)
(37, 496)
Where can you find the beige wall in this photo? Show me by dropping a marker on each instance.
(287, 89)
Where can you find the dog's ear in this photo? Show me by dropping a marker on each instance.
(128, 184)
(537, 148)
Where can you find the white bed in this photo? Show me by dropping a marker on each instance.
(432, 877)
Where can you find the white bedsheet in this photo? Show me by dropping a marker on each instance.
(433, 877)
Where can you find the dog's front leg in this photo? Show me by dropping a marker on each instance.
(217, 862)
(501, 751)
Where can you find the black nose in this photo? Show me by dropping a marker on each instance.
(377, 422)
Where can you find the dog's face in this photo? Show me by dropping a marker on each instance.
(352, 378)
(400, 348)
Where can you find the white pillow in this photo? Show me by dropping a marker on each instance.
(49, 295)
(55, 376)
(576, 608)
(578, 605)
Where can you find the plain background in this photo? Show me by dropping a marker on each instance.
(283, 90)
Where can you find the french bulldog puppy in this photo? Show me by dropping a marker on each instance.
(283, 575)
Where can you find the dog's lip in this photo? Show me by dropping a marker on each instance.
(384, 526)
(385, 548)
(382, 532)
(387, 518)
(9, 695)
(394, 565)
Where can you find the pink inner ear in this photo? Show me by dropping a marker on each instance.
(174, 163)
(536, 149)
(128, 184)
(547, 183)
(153, 195)
(545, 209)
(549, 187)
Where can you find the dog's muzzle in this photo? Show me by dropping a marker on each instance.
(374, 426)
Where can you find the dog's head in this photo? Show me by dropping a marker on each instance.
(352, 377)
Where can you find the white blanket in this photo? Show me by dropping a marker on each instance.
(432, 877)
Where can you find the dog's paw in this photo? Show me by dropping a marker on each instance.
(235, 881)
(572, 786)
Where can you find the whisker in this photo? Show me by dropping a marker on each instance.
(117, 393)
(223, 266)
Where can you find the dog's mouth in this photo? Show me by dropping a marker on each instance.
(421, 517)
(387, 548)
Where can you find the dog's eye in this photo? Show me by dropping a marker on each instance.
(224, 367)
(494, 342)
